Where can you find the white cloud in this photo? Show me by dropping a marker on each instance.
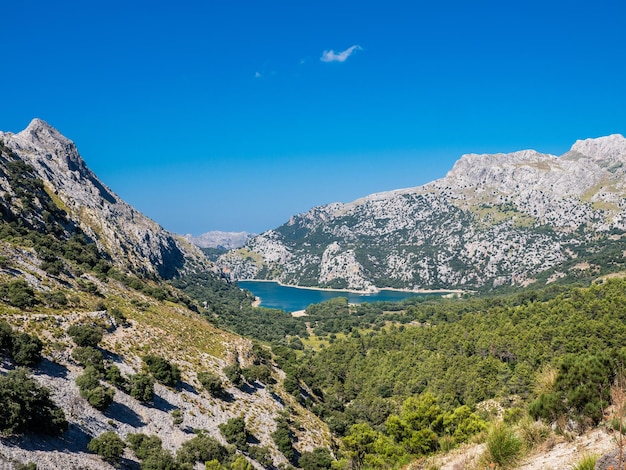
(257, 75)
(332, 56)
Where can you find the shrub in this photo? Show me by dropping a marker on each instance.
(54, 299)
(162, 370)
(88, 356)
(211, 382)
(177, 417)
(99, 396)
(260, 373)
(18, 293)
(108, 445)
(89, 379)
(533, 433)
(318, 459)
(119, 316)
(202, 449)
(504, 448)
(27, 407)
(26, 349)
(85, 335)
(143, 445)
(262, 455)
(6, 336)
(141, 387)
(588, 462)
(233, 373)
(235, 432)
(114, 377)
(283, 439)
(161, 459)
(241, 463)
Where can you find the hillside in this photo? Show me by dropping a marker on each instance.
(494, 220)
(78, 263)
(131, 239)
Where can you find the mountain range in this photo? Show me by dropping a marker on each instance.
(494, 220)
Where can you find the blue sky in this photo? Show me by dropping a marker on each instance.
(235, 115)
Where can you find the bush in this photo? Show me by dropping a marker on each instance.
(211, 382)
(6, 337)
(233, 373)
(533, 433)
(99, 396)
(283, 439)
(202, 449)
(177, 417)
(143, 445)
(163, 371)
(108, 445)
(88, 356)
(504, 448)
(114, 377)
(26, 406)
(85, 335)
(588, 462)
(89, 379)
(26, 349)
(262, 455)
(235, 432)
(141, 387)
(260, 373)
(241, 463)
(18, 293)
(318, 459)
(161, 460)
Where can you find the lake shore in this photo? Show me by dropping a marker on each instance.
(374, 290)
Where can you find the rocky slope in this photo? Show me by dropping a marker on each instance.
(73, 253)
(493, 220)
(130, 238)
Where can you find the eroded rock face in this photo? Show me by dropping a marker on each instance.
(129, 237)
(493, 220)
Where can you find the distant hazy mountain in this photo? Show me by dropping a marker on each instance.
(493, 220)
(218, 239)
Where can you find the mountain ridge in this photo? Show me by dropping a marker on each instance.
(129, 236)
(494, 219)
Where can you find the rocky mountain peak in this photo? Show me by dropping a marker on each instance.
(612, 147)
(130, 238)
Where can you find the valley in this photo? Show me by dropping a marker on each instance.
(126, 346)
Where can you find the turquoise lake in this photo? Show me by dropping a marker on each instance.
(291, 299)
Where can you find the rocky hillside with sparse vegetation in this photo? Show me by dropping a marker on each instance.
(105, 364)
(495, 220)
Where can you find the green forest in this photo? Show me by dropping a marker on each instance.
(398, 382)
